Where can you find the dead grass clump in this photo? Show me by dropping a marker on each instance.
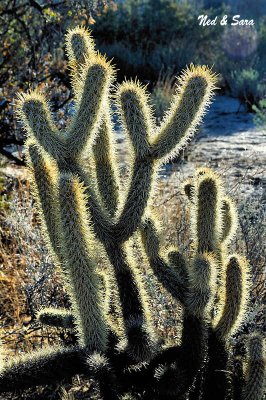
(28, 279)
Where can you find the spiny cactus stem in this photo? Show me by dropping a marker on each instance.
(103, 228)
(44, 175)
(207, 214)
(35, 115)
(100, 369)
(202, 278)
(79, 45)
(235, 299)
(107, 176)
(78, 244)
(134, 304)
(136, 199)
(166, 275)
(129, 295)
(194, 346)
(56, 317)
(42, 368)
(132, 101)
(216, 378)
(169, 279)
(92, 96)
(189, 360)
(230, 220)
(188, 106)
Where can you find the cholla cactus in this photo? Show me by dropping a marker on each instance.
(85, 215)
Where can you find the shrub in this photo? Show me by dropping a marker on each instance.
(242, 62)
(247, 86)
(260, 110)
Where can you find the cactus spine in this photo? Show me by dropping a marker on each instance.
(84, 214)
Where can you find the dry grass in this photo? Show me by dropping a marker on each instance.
(28, 280)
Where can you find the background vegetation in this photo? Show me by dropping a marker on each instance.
(151, 39)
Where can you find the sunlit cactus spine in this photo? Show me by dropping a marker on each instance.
(93, 224)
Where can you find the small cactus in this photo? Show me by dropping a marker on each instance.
(84, 214)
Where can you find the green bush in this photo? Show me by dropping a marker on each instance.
(260, 110)
(148, 36)
(247, 86)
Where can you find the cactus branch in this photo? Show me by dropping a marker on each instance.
(34, 114)
(44, 175)
(235, 299)
(171, 279)
(106, 173)
(78, 245)
(41, 368)
(193, 95)
(60, 318)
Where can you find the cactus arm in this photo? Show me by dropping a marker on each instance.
(254, 387)
(44, 174)
(59, 318)
(178, 263)
(136, 116)
(81, 46)
(106, 173)
(41, 368)
(206, 217)
(78, 246)
(134, 302)
(91, 89)
(135, 113)
(201, 286)
(112, 305)
(173, 282)
(228, 212)
(234, 302)
(193, 95)
(137, 198)
(33, 111)
(188, 189)
(170, 280)
(216, 378)
(229, 220)
(102, 372)
(57, 150)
